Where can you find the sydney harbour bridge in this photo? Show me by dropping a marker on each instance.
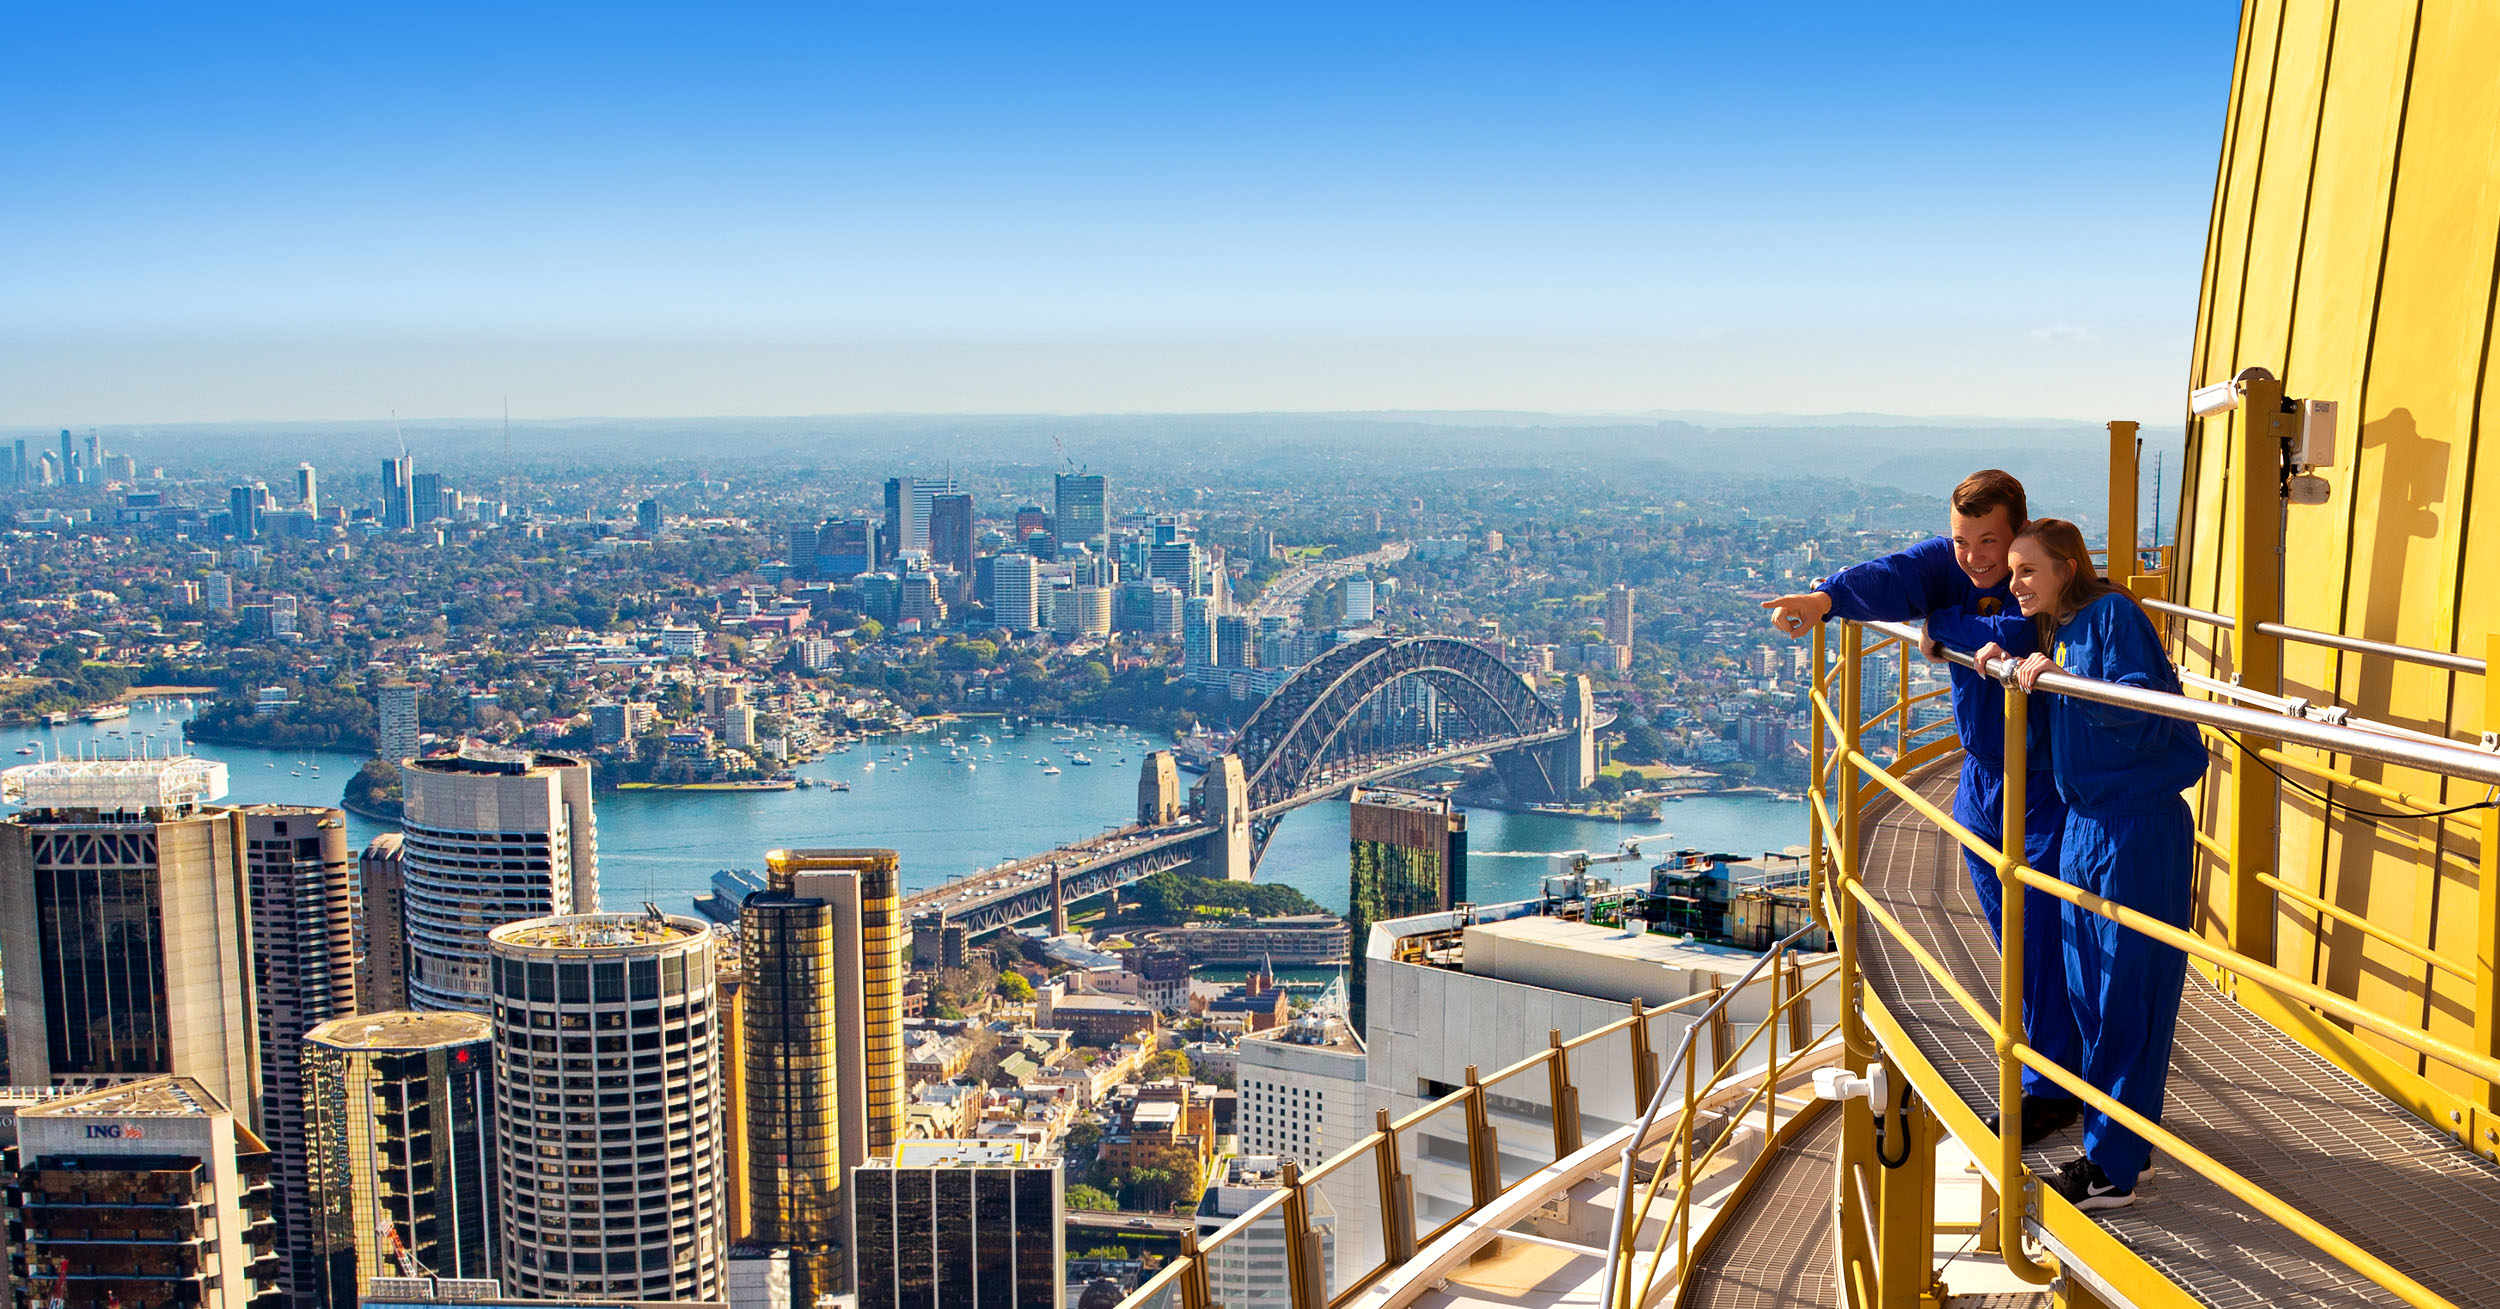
(1316, 736)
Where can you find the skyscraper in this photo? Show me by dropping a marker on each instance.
(897, 516)
(395, 731)
(381, 927)
(823, 1035)
(1407, 854)
(489, 837)
(950, 532)
(1080, 511)
(631, 1107)
(243, 510)
(69, 460)
(958, 1222)
(123, 926)
(1618, 614)
(425, 498)
(1015, 582)
(398, 492)
(151, 1193)
(304, 967)
(308, 490)
(400, 1132)
(845, 548)
(1361, 601)
(647, 516)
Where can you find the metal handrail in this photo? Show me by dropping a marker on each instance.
(2011, 1048)
(2453, 662)
(1658, 1100)
(2453, 760)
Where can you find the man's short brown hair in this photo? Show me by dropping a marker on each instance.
(1992, 488)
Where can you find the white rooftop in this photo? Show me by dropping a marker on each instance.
(115, 784)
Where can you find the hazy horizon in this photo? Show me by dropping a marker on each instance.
(266, 216)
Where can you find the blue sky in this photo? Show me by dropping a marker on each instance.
(336, 211)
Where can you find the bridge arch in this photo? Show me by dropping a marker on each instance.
(1286, 744)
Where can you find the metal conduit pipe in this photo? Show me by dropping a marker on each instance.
(2452, 760)
(2455, 663)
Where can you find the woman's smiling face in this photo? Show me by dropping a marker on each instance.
(2038, 577)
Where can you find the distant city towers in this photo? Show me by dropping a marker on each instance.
(399, 510)
(1080, 512)
(308, 490)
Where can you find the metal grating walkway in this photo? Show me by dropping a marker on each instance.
(2256, 1100)
(1774, 1250)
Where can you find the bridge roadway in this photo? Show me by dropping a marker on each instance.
(1048, 882)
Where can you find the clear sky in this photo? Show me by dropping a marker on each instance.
(334, 211)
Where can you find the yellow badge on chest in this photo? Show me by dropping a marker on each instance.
(1989, 604)
(2061, 654)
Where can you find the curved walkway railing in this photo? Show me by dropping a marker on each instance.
(1848, 778)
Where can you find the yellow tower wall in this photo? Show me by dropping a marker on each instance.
(2355, 222)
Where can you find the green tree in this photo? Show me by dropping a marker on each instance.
(1015, 988)
(1090, 1199)
(1106, 1251)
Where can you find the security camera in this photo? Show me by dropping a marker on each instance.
(2223, 397)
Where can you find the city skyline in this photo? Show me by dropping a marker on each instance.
(784, 214)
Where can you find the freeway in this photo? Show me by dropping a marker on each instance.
(1284, 596)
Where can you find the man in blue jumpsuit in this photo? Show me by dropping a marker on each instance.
(1957, 585)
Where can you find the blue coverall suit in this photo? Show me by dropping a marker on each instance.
(1924, 582)
(2128, 837)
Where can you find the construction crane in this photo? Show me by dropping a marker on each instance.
(1064, 456)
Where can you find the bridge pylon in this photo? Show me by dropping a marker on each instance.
(1556, 772)
(1224, 804)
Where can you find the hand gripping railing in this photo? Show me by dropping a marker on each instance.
(1842, 895)
(1628, 1217)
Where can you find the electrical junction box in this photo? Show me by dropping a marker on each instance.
(2315, 446)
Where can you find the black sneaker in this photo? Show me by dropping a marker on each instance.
(2087, 1188)
(2043, 1118)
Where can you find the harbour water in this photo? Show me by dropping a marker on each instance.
(946, 819)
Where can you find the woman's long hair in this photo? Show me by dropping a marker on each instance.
(2084, 583)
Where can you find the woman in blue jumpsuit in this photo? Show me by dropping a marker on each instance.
(2129, 837)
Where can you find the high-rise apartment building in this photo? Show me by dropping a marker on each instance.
(217, 591)
(609, 1107)
(124, 927)
(304, 968)
(1407, 854)
(1081, 611)
(489, 837)
(381, 926)
(1236, 641)
(946, 1223)
(399, 494)
(395, 728)
(1362, 603)
(148, 1195)
(1080, 511)
(400, 1132)
(1618, 614)
(1015, 590)
(648, 515)
(822, 1029)
(308, 490)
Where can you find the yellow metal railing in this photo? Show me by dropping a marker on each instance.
(1849, 783)
(1374, 1175)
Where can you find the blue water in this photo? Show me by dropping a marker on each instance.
(947, 820)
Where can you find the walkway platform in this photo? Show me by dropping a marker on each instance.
(2256, 1100)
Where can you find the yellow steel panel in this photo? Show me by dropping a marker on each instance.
(2344, 222)
(2414, 454)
